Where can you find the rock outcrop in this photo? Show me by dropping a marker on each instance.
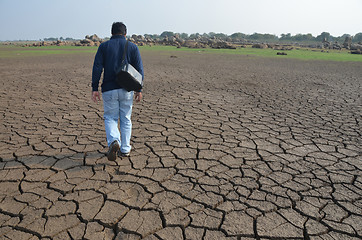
(260, 45)
(202, 41)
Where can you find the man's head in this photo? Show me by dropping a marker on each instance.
(118, 28)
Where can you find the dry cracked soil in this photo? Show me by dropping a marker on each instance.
(224, 147)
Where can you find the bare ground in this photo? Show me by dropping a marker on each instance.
(224, 147)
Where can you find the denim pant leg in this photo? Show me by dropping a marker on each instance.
(111, 113)
(125, 112)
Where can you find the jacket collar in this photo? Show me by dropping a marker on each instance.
(118, 36)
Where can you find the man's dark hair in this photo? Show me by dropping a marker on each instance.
(118, 28)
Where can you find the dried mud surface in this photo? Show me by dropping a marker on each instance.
(224, 147)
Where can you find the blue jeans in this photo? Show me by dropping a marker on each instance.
(117, 104)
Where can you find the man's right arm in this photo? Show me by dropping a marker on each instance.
(97, 69)
(136, 62)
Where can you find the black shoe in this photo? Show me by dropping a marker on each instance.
(112, 151)
(121, 154)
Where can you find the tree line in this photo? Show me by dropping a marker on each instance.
(262, 37)
(251, 37)
(61, 39)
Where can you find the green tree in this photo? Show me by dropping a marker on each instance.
(205, 35)
(152, 36)
(298, 37)
(322, 36)
(342, 38)
(167, 34)
(357, 38)
(194, 35)
(262, 37)
(303, 37)
(51, 39)
(309, 37)
(183, 35)
(211, 34)
(255, 36)
(238, 35)
(287, 36)
(269, 36)
(220, 35)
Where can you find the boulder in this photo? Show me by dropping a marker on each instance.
(95, 38)
(224, 45)
(181, 41)
(86, 41)
(190, 44)
(347, 42)
(354, 46)
(326, 44)
(172, 39)
(336, 46)
(358, 51)
(60, 43)
(91, 43)
(194, 44)
(260, 45)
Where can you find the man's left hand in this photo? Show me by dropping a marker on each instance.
(95, 96)
(138, 96)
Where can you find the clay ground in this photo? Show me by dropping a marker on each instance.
(224, 147)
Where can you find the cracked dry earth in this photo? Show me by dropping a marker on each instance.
(224, 147)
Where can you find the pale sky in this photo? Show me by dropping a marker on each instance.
(38, 19)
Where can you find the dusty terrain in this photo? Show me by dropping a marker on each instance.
(224, 147)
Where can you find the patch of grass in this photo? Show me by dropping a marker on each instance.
(11, 51)
(302, 53)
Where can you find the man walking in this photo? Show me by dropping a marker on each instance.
(117, 102)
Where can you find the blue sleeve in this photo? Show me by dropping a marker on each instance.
(97, 68)
(136, 60)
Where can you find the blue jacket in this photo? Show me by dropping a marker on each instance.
(108, 57)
